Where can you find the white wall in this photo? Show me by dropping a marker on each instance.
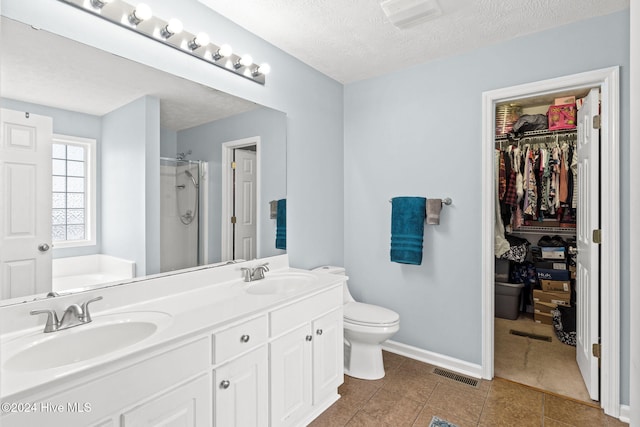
(418, 132)
(131, 184)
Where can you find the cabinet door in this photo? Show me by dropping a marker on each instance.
(241, 391)
(328, 355)
(185, 406)
(291, 376)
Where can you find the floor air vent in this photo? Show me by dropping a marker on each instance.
(529, 335)
(456, 377)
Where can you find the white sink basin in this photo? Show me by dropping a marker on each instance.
(275, 283)
(104, 335)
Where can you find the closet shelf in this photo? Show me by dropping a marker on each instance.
(531, 229)
(543, 132)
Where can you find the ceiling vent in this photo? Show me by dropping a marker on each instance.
(408, 13)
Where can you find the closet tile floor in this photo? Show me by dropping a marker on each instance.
(548, 365)
(410, 395)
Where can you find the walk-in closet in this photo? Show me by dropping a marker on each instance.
(544, 173)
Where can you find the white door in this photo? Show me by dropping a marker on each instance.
(587, 276)
(241, 391)
(245, 233)
(291, 364)
(328, 361)
(25, 210)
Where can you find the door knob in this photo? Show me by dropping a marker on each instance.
(44, 247)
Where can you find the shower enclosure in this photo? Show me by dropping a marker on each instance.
(182, 211)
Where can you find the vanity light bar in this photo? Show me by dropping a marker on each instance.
(170, 33)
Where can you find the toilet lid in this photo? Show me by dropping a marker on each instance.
(370, 314)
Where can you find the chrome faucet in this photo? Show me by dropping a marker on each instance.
(251, 274)
(74, 315)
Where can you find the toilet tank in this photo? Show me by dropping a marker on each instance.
(332, 269)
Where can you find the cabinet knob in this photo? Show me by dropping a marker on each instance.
(44, 247)
(225, 384)
(319, 332)
(309, 337)
(245, 338)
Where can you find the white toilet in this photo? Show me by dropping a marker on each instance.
(366, 327)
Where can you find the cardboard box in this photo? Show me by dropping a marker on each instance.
(551, 265)
(553, 297)
(552, 252)
(544, 307)
(564, 100)
(546, 274)
(543, 318)
(555, 285)
(562, 116)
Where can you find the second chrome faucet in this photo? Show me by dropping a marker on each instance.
(74, 315)
(257, 273)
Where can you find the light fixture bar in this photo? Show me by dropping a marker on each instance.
(124, 15)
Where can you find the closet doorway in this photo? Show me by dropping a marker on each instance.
(593, 321)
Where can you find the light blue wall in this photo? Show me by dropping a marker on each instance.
(206, 140)
(313, 103)
(81, 125)
(130, 181)
(418, 132)
(168, 143)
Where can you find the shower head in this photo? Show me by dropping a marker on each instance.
(190, 175)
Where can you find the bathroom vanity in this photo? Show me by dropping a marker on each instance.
(199, 348)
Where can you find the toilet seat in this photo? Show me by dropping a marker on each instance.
(359, 313)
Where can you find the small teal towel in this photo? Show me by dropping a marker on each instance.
(407, 229)
(281, 225)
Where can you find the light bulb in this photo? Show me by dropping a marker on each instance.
(246, 60)
(202, 39)
(225, 50)
(175, 26)
(141, 13)
(264, 68)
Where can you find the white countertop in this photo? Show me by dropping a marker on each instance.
(191, 313)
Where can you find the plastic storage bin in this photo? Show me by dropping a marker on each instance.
(507, 300)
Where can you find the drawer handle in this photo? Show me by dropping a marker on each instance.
(319, 332)
(225, 384)
(245, 338)
(309, 338)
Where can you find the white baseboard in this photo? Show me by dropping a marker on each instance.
(625, 413)
(446, 362)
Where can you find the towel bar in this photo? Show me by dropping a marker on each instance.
(446, 201)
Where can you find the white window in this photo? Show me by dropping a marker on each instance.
(74, 191)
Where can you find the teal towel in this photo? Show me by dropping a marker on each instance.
(281, 225)
(407, 229)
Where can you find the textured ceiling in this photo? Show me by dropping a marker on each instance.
(46, 69)
(351, 40)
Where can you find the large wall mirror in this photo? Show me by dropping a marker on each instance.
(142, 172)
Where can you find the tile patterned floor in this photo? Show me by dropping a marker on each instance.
(410, 395)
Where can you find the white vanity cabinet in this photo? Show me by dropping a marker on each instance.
(280, 364)
(307, 361)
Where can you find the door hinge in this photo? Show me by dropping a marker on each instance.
(233, 220)
(596, 122)
(597, 236)
(233, 165)
(596, 349)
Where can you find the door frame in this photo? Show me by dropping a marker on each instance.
(227, 194)
(607, 80)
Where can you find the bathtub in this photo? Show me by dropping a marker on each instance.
(89, 270)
